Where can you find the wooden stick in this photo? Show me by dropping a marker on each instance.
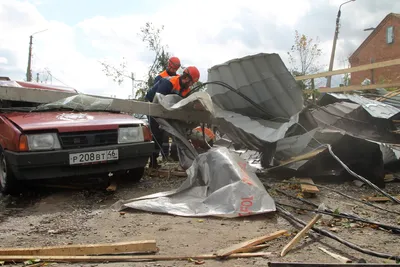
(300, 234)
(237, 248)
(127, 258)
(148, 246)
(381, 199)
(336, 256)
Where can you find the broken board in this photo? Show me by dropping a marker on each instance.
(143, 246)
(308, 189)
(240, 247)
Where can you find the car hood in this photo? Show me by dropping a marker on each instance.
(70, 121)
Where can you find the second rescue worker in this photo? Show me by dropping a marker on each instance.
(173, 65)
(166, 86)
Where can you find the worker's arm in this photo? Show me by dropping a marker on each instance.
(157, 79)
(163, 86)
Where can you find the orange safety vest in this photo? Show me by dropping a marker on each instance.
(176, 86)
(164, 74)
(207, 132)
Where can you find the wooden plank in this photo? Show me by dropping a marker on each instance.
(254, 248)
(388, 95)
(237, 248)
(371, 66)
(353, 88)
(380, 199)
(306, 188)
(137, 258)
(142, 246)
(118, 105)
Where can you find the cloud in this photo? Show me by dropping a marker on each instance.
(202, 33)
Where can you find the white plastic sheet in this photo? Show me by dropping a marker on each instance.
(219, 183)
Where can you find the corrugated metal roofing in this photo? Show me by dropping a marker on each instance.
(375, 108)
(264, 79)
(338, 109)
(255, 134)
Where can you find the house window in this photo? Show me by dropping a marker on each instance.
(389, 35)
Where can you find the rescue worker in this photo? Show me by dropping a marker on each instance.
(170, 85)
(173, 65)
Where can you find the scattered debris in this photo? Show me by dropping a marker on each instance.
(300, 234)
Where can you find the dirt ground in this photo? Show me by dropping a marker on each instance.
(44, 216)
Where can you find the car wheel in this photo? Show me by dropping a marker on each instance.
(7, 179)
(135, 175)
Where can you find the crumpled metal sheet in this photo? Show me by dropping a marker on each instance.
(219, 183)
(356, 121)
(263, 78)
(377, 109)
(256, 133)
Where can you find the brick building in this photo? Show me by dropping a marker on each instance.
(382, 44)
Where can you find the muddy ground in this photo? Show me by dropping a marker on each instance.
(43, 216)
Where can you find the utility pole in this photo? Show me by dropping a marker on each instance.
(29, 69)
(335, 37)
(133, 85)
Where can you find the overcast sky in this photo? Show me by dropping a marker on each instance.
(201, 33)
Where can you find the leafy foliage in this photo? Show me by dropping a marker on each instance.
(303, 59)
(152, 36)
(116, 73)
(304, 54)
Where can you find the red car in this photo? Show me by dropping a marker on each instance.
(59, 143)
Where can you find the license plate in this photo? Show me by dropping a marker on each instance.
(90, 157)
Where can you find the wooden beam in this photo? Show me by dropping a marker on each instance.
(123, 258)
(354, 88)
(143, 246)
(243, 246)
(118, 105)
(371, 66)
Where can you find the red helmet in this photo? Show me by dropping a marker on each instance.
(174, 63)
(193, 72)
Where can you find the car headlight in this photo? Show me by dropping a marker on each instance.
(130, 134)
(45, 141)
